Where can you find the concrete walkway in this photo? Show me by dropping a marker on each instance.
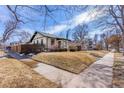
(97, 75)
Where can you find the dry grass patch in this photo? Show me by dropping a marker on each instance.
(71, 61)
(2, 53)
(118, 74)
(15, 74)
(98, 54)
(31, 63)
(118, 70)
(118, 57)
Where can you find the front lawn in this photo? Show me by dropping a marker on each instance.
(71, 61)
(98, 54)
(15, 74)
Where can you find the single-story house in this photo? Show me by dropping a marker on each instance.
(41, 41)
(48, 41)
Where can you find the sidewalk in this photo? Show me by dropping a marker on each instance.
(99, 74)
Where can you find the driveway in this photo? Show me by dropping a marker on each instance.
(97, 75)
(16, 55)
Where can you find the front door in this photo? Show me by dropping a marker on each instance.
(59, 44)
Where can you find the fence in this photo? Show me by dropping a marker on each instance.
(26, 48)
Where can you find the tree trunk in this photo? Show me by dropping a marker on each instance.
(123, 42)
(106, 45)
(122, 13)
(117, 47)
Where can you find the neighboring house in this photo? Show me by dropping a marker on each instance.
(89, 44)
(48, 41)
(1, 46)
(75, 45)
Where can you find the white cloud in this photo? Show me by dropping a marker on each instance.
(84, 17)
(57, 28)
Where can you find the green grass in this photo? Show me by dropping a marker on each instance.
(71, 61)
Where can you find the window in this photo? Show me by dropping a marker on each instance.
(37, 42)
(34, 42)
(59, 44)
(41, 41)
(52, 41)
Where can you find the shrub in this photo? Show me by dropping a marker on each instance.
(58, 50)
(73, 48)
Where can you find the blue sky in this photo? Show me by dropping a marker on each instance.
(88, 16)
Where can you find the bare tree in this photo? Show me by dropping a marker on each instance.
(81, 31)
(14, 12)
(95, 38)
(47, 12)
(67, 37)
(10, 27)
(105, 37)
(117, 12)
(23, 36)
(113, 19)
(114, 40)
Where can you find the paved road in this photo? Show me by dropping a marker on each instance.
(16, 55)
(99, 74)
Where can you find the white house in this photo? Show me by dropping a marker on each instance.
(48, 41)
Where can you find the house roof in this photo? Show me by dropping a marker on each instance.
(47, 35)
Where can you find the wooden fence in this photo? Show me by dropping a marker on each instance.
(26, 48)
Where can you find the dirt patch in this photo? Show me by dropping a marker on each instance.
(31, 63)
